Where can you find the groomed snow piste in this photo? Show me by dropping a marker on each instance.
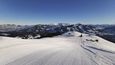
(66, 49)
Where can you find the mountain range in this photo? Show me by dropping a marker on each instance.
(48, 30)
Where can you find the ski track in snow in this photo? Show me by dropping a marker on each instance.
(59, 50)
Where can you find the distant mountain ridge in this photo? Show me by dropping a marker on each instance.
(49, 30)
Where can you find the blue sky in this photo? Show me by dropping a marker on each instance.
(57, 11)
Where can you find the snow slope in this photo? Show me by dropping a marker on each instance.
(67, 49)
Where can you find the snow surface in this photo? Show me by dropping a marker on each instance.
(67, 49)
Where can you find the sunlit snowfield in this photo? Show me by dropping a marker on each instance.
(66, 49)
